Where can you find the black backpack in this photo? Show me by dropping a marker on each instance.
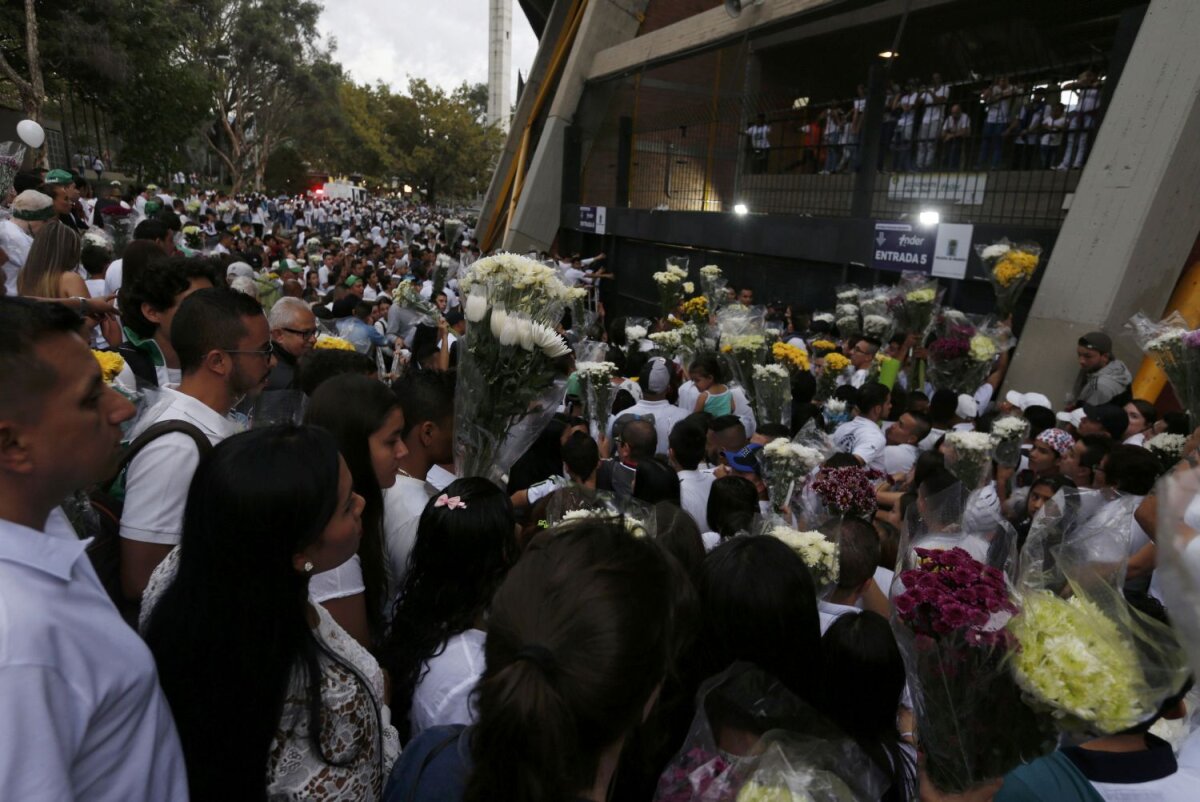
(105, 549)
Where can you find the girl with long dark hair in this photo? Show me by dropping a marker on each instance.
(466, 542)
(271, 697)
(578, 643)
(864, 677)
(367, 421)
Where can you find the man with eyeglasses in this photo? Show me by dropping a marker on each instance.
(224, 347)
(861, 357)
(293, 334)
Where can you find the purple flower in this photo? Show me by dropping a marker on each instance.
(1192, 339)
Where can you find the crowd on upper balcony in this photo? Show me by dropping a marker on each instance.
(933, 126)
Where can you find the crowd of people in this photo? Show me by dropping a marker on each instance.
(241, 555)
(931, 126)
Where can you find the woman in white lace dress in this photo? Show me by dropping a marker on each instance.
(271, 697)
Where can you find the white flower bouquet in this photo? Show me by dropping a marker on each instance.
(12, 155)
(786, 467)
(847, 320)
(510, 379)
(772, 394)
(1178, 544)
(878, 327)
(670, 283)
(1008, 433)
(633, 526)
(1176, 351)
(819, 553)
(408, 295)
(875, 301)
(598, 389)
(1087, 657)
(1167, 447)
(712, 286)
(970, 457)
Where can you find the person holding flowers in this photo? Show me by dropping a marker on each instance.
(861, 436)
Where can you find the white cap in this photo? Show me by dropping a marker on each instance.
(1075, 417)
(660, 376)
(239, 270)
(1024, 401)
(967, 408)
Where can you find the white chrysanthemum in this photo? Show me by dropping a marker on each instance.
(510, 334)
(476, 307)
(689, 287)
(772, 371)
(499, 320)
(835, 406)
(1166, 341)
(525, 332)
(664, 277)
(848, 296)
(1167, 445)
(632, 525)
(970, 441)
(667, 340)
(1010, 428)
(745, 342)
(551, 344)
(816, 550)
(635, 333)
(995, 251)
(822, 317)
(710, 271)
(595, 370)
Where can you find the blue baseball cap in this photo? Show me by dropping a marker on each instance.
(744, 461)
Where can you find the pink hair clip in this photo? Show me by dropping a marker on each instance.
(453, 502)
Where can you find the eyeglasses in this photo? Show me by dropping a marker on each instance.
(266, 352)
(305, 334)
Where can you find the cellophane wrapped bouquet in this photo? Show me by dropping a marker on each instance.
(12, 155)
(1176, 351)
(754, 739)
(787, 466)
(792, 357)
(773, 394)
(1087, 657)
(696, 311)
(637, 517)
(743, 343)
(119, 221)
(1008, 433)
(1009, 268)
(819, 553)
(952, 600)
(914, 304)
(408, 295)
(1167, 447)
(670, 283)
(963, 352)
(846, 314)
(712, 284)
(1179, 555)
(637, 329)
(679, 343)
(510, 377)
(848, 491)
(878, 322)
(833, 367)
(598, 392)
(969, 457)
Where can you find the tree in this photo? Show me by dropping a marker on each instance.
(286, 172)
(258, 57)
(31, 90)
(454, 152)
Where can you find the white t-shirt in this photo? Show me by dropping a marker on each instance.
(15, 242)
(694, 487)
(157, 481)
(113, 277)
(899, 459)
(443, 694)
(84, 716)
(997, 106)
(829, 612)
(665, 417)
(403, 504)
(758, 136)
(338, 583)
(864, 439)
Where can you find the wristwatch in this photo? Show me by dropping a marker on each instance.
(83, 304)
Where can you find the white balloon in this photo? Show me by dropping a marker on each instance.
(31, 133)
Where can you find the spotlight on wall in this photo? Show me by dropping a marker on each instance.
(928, 217)
(741, 208)
(890, 54)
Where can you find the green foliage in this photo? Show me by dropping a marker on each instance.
(286, 173)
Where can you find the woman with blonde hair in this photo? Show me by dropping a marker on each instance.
(49, 270)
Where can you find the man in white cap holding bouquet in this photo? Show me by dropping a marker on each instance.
(30, 211)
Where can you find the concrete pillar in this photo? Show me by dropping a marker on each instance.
(1135, 214)
(499, 62)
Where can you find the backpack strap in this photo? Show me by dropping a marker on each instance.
(152, 433)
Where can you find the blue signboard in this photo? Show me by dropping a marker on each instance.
(903, 246)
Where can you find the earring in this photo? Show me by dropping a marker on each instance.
(308, 566)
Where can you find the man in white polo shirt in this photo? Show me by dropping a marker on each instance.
(83, 714)
(861, 436)
(686, 449)
(224, 347)
(655, 381)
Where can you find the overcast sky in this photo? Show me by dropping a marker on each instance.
(443, 41)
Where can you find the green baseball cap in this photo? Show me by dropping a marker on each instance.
(351, 281)
(59, 177)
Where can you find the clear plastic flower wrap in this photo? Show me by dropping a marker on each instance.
(963, 351)
(1176, 351)
(772, 394)
(598, 392)
(915, 301)
(741, 714)
(670, 283)
(1167, 447)
(951, 601)
(1088, 658)
(712, 285)
(637, 329)
(969, 457)
(1008, 433)
(1009, 267)
(833, 367)
(510, 375)
(12, 154)
(876, 300)
(636, 516)
(743, 343)
(1178, 542)
(408, 295)
(788, 465)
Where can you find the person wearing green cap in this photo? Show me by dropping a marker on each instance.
(354, 284)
